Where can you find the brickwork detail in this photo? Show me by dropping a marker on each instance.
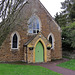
(48, 25)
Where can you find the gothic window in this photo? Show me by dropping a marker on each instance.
(14, 41)
(51, 40)
(33, 25)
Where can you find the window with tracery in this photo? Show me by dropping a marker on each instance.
(33, 25)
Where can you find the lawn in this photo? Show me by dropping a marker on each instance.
(10, 69)
(69, 64)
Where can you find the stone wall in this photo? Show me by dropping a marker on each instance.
(8, 54)
(48, 25)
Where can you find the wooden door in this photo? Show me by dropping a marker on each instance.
(39, 52)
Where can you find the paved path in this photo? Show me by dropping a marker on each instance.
(52, 66)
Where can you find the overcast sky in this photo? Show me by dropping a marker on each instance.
(52, 6)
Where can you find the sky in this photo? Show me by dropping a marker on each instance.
(52, 6)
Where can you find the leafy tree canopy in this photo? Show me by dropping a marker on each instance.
(66, 20)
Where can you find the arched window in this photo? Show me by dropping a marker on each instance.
(51, 40)
(15, 41)
(34, 25)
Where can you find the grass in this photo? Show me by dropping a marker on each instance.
(66, 57)
(10, 69)
(69, 64)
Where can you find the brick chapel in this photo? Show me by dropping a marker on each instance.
(35, 37)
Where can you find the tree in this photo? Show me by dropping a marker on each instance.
(66, 19)
(68, 33)
(68, 9)
(8, 7)
(72, 13)
(61, 19)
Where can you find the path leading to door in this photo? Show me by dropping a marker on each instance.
(52, 66)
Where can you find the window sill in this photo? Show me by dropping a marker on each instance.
(52, 48)
(14, 49)
(31, 34)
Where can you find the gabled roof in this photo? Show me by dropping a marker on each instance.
(51, 17)
(39, 34)
(29, 40)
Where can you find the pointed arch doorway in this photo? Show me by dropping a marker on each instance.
(39, 52)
